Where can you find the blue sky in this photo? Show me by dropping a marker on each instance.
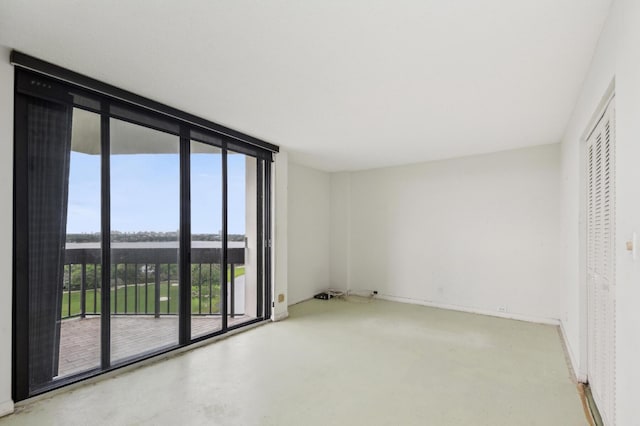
(145, 193)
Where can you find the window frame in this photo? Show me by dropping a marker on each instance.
(40, 79)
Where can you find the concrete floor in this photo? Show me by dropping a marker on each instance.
(341, 363)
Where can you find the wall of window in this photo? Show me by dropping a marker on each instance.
(138, 228)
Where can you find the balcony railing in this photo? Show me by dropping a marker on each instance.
(144, 279)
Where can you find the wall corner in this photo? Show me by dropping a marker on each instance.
(280, 224)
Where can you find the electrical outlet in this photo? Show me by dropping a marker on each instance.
(502, 309)
(280, 298)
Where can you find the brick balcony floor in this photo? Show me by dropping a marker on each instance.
(130, 336)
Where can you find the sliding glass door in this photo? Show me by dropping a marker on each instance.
(136, 232)
(242, 238)
(206, 239)
(145, 222)
(79, 347)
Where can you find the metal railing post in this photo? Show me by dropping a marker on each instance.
(200, 288)
(69, 293)
(95, 288)
(146, 288)
(126, 302)
(168, 288)
(115, 290)
(232, 280)
(83, 291)
(135, 286)
(157, 291)
(210, 288)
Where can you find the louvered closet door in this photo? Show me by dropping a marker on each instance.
(600, 264)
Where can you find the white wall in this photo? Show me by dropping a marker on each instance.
(340, 230)
(308, 232)
(6, 231)
(616, 57)
(475, 233)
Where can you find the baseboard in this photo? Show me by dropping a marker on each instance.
(280, 316)
(300, 301)
(508, 315)
(578, 375)
(311, 296)
(6, 408)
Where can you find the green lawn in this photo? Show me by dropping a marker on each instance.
(121, 298)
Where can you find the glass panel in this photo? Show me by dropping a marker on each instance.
(81, 294)
(206, 229)
(242, 237)
(145, 219)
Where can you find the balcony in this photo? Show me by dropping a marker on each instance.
(144, 298)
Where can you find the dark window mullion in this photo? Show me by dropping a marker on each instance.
(266, 241)
(184, 306)
(223, 263)
(105, 317)
(260, 238)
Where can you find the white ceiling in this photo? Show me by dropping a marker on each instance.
(341, 85)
